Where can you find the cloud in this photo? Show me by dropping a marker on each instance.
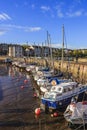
(2, 32)
(25, 28)
(74, 14)
(60, 14)
(59, 10)
(4, 16)
(75, 9)
(45, 8)
(33, 29)
(13, 26)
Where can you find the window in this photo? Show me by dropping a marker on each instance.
(65, 90)
(59, 89)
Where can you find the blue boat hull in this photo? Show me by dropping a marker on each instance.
(62, 104)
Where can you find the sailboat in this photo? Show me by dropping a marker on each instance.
(61, 97)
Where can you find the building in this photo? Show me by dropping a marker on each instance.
(15, 51)
(43, 51)
(3, 49)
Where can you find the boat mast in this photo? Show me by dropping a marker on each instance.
(48, 44)
(50, 47)
(62, 59)
(51, 56)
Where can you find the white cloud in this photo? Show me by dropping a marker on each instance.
(13, 26)
(78, 13)
(25, 28)
(45, 8)
(60, 10)
(63, 11)
(60, 14)
(2, 32)
(74, 14)
(33, 29)
(4, 16)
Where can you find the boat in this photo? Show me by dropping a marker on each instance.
(43, 72)
(31, 68)
(48, 79)
(59, 97)
(76, 113)
(8, 60)
(48, 84)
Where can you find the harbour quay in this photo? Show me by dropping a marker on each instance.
(76, 70)
(72, 68)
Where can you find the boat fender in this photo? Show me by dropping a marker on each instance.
(55, 114)
(37, 111)
(52, 115)
(22, 87)
(53, 82)
(84, 103)
(35, 95)
(25, 81)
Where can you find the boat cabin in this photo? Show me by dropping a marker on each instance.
(64, 87)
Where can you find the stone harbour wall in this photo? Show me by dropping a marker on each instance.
(77, 70)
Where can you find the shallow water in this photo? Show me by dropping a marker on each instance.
(17, 104)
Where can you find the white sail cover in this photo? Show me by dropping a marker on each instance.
(78, 109)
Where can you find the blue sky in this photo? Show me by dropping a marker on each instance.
(24, 21)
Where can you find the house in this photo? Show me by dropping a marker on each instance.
(3, 49)
(15, 51)
(42, 51)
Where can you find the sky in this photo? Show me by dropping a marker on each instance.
(28, 21)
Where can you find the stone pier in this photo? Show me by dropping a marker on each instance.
(78, 70)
